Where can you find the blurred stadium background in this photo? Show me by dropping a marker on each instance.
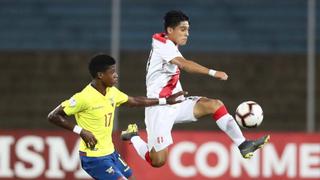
(268, 48)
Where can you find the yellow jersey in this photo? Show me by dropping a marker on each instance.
(95, 113)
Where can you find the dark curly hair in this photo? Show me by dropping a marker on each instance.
(173, 18)
(99, 63)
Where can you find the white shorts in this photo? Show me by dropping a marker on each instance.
(160, 119)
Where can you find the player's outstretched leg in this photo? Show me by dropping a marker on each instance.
(221, 116)
(227, 123)
(131, 134)
(249, 146)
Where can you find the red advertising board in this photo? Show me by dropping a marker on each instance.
(211, 155)
(39, 154)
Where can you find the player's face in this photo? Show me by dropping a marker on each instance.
(109, 76)
(180, 33)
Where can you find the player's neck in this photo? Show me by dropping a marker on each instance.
(99, 87)
(172, 39)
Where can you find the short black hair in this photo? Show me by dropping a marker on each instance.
(99, 63)
(173, 19)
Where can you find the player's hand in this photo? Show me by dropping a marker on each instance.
(173, 98)
(221, 75)
(88, 138)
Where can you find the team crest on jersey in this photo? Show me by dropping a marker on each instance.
(111, 100)
(72, 102)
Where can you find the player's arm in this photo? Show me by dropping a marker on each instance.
(193, 67)
(140, 101)
(59, 118)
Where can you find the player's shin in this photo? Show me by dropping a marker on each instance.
(141, 147)
(227, 123)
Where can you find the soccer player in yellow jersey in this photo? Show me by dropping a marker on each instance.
(93, 109)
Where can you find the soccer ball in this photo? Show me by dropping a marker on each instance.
(249, 114)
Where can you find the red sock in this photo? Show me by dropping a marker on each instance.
(220, 112)
(147, 156)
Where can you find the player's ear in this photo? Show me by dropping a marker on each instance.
(99, 75)
(169, 30)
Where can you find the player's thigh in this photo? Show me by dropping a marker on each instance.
(101, 168)
(206, 106)
(185, 110)
(159, 121)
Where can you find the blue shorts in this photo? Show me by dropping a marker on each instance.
(106, 167)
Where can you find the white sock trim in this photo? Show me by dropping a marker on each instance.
(231, 128)
(140, 146)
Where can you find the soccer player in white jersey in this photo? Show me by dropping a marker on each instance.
(162, 80)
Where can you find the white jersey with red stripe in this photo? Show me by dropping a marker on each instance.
(163, 80)
(162, 77)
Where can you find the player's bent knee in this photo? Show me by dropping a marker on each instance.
(214, 104)
(158, 163)
(158, 159)
(217, 103)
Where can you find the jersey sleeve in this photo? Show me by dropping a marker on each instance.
(120, 97)
(73, 105)
(169, 51)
